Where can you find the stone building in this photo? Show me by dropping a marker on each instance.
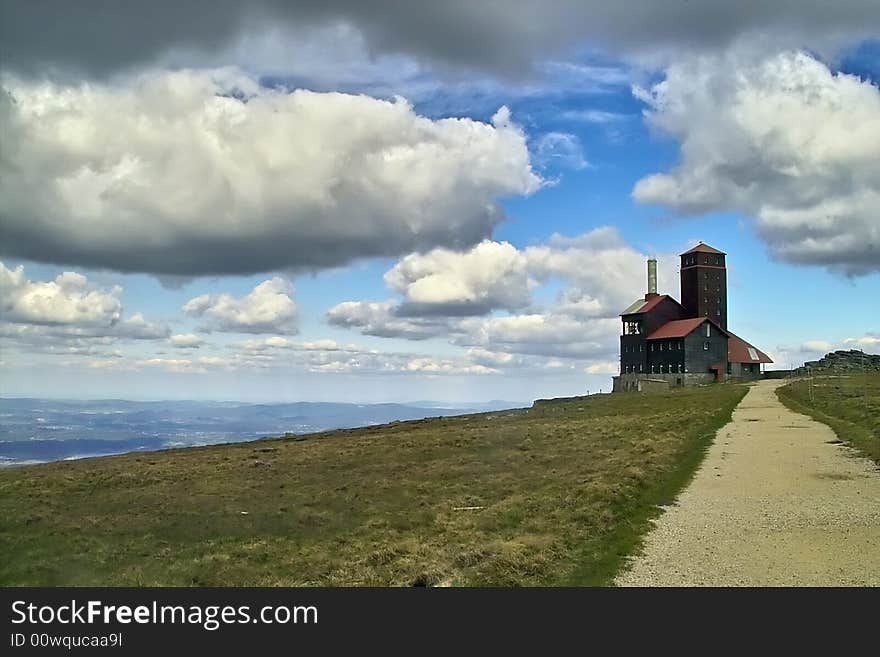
(685, 343)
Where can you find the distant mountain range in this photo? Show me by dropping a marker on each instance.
(39, 430)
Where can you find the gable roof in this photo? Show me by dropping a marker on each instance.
(680, 328)
(740, 351)
(640, 306)
(703, 248)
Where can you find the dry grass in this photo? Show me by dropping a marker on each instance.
(848, 403)
(563, 491)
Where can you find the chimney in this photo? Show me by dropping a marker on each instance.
(652, 278)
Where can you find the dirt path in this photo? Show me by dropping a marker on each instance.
(775, 503)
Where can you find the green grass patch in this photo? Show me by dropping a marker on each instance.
(848, 403)
(556, 494)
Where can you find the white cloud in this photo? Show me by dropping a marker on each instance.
(593, 116)
(602, 367)
(442, 282)
(67, 316)
(782, 139)
(548, 334)
(811, 346)
(379, 319)
(600, 275)
(186, 341)
(559, 150)
(268, 308)
(68, 300)
(207, 172)
(867, 342)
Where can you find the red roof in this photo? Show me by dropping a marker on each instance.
(740, 351)
(647, 305)
(703, 248)
(679, 328)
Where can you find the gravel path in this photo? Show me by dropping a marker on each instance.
(775, 503)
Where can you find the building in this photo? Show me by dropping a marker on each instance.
(664, 342)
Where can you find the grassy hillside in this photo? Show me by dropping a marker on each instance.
(552, 495)
(849, 404)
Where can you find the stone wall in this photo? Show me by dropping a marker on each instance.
(637, 382)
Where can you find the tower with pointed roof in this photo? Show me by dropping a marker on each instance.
(704, 283)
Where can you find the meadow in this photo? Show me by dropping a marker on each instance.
(848, 403)
(557, 494)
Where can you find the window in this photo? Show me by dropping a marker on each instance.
(679, 345)
(708, 330)
(652, 368)
(661, 346)
(641, 347)
(632, 328)
(669, 346)
(652, 346)
(705, 346)
(640, 367)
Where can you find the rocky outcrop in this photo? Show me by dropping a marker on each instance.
(845, 361)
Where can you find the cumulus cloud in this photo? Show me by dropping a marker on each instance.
(782, 139)
(186, 341)
(207, 172)
(268, 308)
(443, 282)
(547, 334)
(67, 314)
(69, 299)
(380, 319)
(100, 39)
(811, 346)
(455, 295)
(867, 342)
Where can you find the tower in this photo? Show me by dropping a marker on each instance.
(704, 283)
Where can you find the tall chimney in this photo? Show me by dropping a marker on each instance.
(652, 278)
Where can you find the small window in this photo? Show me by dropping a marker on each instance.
(708, 330)
(652, 346)
(640, 367)
(679, 345)
(705, 346)
(661, 346)
(641, 347)
(652, 368)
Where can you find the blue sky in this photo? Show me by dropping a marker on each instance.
(227, 236)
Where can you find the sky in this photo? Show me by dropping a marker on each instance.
(373, 201)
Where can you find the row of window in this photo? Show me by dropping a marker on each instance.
(666, 346)
(656, 346)
(707, 260)
(662, 368)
